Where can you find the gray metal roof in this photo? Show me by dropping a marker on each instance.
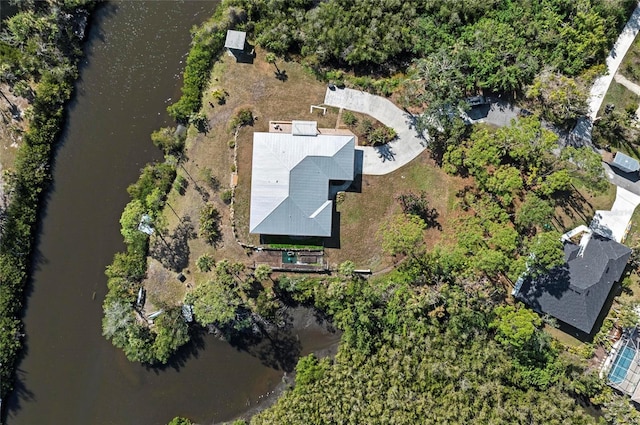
(235, 40)
(290, 182)
(576, 292)
(626, 163)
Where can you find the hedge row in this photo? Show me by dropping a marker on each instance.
(206, 46)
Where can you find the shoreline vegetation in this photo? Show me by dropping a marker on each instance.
(144, 340)
(46, 81)
(451, 299)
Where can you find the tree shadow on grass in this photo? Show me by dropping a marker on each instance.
(173, 250)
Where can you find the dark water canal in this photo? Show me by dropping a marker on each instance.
(71, 374)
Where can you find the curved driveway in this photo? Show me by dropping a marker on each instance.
(385, 159)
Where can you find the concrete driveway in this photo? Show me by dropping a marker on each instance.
(624, 41)
(384, 159)
(614, 223)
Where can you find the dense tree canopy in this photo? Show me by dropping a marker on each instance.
(500, 45)
(435, 361)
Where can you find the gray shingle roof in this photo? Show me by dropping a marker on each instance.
(235, 40)
(576, 292)
(290, 182)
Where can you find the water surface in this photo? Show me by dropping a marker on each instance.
(71, 374)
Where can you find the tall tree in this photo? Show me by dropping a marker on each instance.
(403, 234)
(545, 252)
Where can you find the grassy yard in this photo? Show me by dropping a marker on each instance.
(633, 237)
(630, 66)
(361, 214)
(580, 208)
(620, 96)
(209, 165)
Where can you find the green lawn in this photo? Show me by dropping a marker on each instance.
(620, 96)
(630, 66)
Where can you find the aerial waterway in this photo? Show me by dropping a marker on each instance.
(70, 374)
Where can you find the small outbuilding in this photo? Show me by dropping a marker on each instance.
(625, 163)
(235, 42)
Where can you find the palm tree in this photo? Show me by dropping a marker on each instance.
(262, 272)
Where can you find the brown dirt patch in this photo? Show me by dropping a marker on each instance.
(11, 129)
(163, 287)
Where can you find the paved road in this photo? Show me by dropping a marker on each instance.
(388, 158)
(497, 112)
(601, 85)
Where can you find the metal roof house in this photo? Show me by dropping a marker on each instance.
(625, 163)
(235, 41)
(290, 179)
(576, 292)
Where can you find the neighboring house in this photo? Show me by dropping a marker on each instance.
(235, 42)
(290, 178)
(576, 292)
(625, 163)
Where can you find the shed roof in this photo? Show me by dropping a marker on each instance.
(290, 181)
(576, 292)
(626, 163)
(235, 40)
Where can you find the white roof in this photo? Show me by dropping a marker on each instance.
(304, 128)
(235, 40)
(290, 182)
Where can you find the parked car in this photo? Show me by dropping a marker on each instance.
(524, 113)
(476, 101)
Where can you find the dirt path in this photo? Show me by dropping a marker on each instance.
(627, 83)
(630, 85)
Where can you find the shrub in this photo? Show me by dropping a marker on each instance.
(180, 185)
(210, 179)
(242, 118)
(205, 263)
(226, 196)
(349, 118)
(210, 224)
(366, 126)
(153, 176)
(167, 140)
(220, 96)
